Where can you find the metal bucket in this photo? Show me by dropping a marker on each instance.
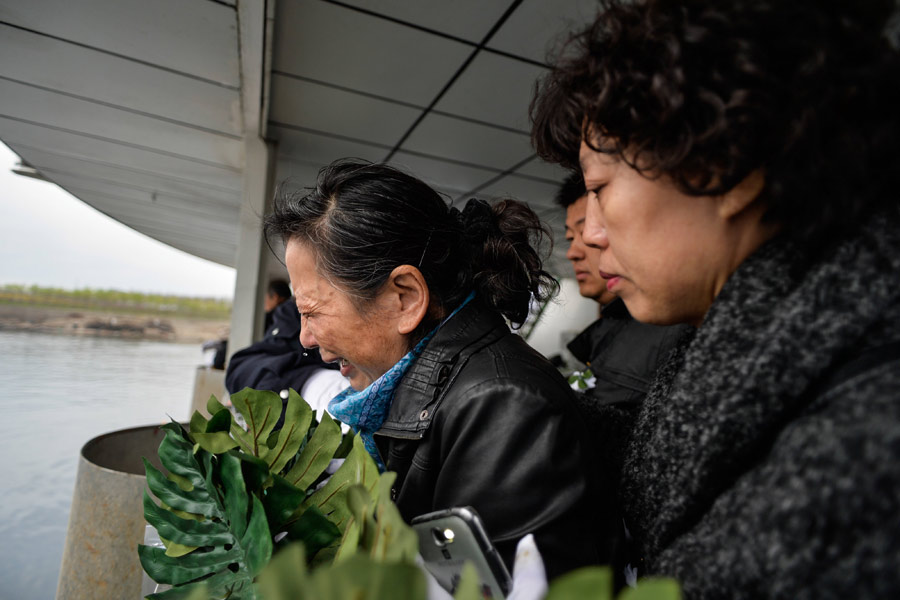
(106, 522)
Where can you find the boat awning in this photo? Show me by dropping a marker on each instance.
(141, 109)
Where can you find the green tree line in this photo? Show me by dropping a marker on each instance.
(116, 300)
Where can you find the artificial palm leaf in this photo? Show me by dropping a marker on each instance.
(260, 409)
(297, 419)
(233, 541)
(316, 454)
(358, 468)
(226, 493)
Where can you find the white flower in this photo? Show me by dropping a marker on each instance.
(582, 380)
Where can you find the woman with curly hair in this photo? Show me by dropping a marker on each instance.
(411, 298)
(743, 168)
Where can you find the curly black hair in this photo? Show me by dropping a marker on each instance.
(705, 93)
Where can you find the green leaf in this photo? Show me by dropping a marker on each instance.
(361, 578)
(394, 539)
(297, 418)
(196, 501)
(281, 501)
(185, 531)
(173, 549)
(220, 421)
(285, 577)
(349, 545)
(182, 482)
(185, 569)
(346, 443)
(257, 540)
(588, 583)
(198, 423)
(176, 453)
(469, 587)
(260, 409)
(226, 558)
(358, 468)
(223, 585)
(314, 530)
(653, 589)
(216, 443)
(255, 470)
(316, 454)
(213, 407)
(235, 491)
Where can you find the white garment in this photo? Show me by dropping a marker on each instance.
(321, 387)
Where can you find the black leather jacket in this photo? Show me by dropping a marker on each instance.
(482, 419)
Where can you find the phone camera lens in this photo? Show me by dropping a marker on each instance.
(442, 537)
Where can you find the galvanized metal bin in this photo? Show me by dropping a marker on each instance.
(106, 522)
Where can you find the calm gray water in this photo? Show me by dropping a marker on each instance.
(56, 393)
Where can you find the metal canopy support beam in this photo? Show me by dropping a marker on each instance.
(251, 261)
(254, 27)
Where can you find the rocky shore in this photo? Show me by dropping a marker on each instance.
(110, 324)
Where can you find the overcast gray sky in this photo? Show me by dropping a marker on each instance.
(50, 238)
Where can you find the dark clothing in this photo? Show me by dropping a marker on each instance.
(482, 419)
(623, 355)
(753, 471)
(277, 361)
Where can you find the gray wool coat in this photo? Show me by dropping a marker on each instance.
(748, 474)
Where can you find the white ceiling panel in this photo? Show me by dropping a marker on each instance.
(164, 207)
(537, 26)
(23, 137)
(50, 164)
(41, 61)
(537, 193)
(40, 106)
(451, 178)
(494, 89)
(335, 111)
(319, 148)
(197, 37)
(219, 238)
(338, 45)
(538, 168)
(466, 19)
(445, 137)
(291, 176)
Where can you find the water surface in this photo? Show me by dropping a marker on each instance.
(56, 393)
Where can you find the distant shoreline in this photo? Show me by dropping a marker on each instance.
(111, 323)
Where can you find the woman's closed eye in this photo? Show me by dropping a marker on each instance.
(596, 190)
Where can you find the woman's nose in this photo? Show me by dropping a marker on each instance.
(594, 232)
(596, 237)
(307, 339)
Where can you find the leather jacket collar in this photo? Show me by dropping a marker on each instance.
(421, 390)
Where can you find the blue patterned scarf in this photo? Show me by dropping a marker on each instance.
(366, 410)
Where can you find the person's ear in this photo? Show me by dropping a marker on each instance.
(742, 196)
(412, 298)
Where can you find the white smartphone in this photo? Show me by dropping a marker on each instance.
(448, 538)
